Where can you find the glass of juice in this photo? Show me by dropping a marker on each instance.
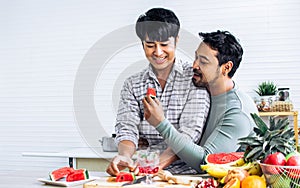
(148, 163)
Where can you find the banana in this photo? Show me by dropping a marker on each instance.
(205, 167)
(239, 162)
(255, 169)
(217, 172)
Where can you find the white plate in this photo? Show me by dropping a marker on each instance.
(64, 183)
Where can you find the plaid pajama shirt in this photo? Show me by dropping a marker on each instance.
(185, 106)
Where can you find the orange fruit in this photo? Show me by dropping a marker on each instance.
(233, 183)
(254, 182)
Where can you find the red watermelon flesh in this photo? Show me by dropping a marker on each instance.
(223, 158)
(60, 173)
(76, 175)
(151, 92)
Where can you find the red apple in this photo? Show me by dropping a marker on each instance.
(275, 159)
(293, 161)
(291, 154)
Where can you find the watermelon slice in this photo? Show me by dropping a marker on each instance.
(151, 92)
(125, 176)
(60, 173)
(76, 175)
(223, 158)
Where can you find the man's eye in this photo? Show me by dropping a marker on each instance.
(149, 46)
(164, 44)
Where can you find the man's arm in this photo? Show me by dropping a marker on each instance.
(128, 118)
(223, 139)
(123, 160)
(167, 158)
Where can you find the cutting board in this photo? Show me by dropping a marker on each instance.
(108, 182)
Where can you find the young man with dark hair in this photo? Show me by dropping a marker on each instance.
(216, 61)
(185, 105)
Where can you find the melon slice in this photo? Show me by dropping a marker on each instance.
(60, 173)
(76, 175)
(151, 92)
(223, 158)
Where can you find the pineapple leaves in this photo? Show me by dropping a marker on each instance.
(259, 123)
(277, 137)
(254, 151)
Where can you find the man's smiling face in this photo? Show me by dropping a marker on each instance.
(160, 54)
(206, 66)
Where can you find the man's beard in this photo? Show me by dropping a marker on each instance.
(199, 83)
(202, 82)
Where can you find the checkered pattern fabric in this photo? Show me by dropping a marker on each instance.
(185, 106)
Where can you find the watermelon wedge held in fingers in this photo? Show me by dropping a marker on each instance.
(223, 158)
(151, 92)
(60, 173)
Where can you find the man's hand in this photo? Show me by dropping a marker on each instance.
(123, 160)
(118, 163)
(153, 111)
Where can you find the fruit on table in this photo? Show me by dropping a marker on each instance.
(293, 161)
(60, 173)
(277, 137)
(233, 183)
(278, 181)
(148, 170)
(219, 171)
(125, 176)
(255, 169)
(225, 158)
(207, 183)
(76, 175)
(240, 174)
(291, 154)
(254, 182)
(275, 159)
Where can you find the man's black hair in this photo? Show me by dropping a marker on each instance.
(228, 47)
(158, 24)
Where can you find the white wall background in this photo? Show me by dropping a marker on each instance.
(42, 44)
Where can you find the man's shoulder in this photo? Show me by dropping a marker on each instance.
(247, 103)
(186, 67)
(138, 76)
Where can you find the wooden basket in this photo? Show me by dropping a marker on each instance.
(281, 106)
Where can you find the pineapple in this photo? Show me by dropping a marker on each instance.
(278, 137)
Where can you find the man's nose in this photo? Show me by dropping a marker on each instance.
(158, 51)
(196, 65)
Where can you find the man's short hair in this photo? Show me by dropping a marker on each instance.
(158, 24)
(228, 47)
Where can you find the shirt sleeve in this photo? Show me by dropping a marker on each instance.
(128, 116)
(223, 139)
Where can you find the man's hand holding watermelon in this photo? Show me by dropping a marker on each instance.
(153, 110)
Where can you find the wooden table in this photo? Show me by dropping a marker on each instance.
(295, 120)
(28, 178)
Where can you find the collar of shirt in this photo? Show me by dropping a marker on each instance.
(177, 68)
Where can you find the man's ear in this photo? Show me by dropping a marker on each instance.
(227, 67)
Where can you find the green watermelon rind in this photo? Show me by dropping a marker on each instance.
(86, 174)
(227, 154)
